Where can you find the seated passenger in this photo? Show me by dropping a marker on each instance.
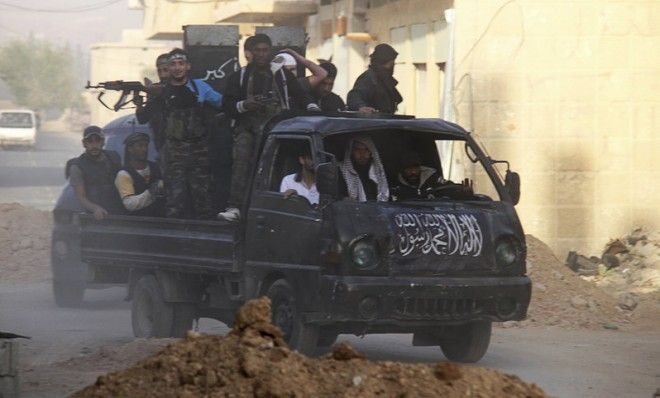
(302, 183)
(362, 176)
(139, 183)
(416, 181)
(91, 175)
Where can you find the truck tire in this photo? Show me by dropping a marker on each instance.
(183, 315)
(68, 294)
(327, 338)
(468, 343)
(286, 315)
(151, 316)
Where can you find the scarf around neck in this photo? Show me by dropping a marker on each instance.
(376, 172)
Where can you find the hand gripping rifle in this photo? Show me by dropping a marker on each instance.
(126, 89)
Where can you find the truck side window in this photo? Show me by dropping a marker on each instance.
(285, 160)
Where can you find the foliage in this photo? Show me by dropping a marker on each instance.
(40, 74)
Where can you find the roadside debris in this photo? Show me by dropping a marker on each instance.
(628, 269)
(252, 360)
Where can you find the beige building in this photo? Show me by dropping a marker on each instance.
(569, 91)
(133, 58)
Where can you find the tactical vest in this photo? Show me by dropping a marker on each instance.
(157, 208)
(185, 124)
(99, 180)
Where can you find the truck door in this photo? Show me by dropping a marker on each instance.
(279, 229)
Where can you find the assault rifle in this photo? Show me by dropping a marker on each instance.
(126, 89)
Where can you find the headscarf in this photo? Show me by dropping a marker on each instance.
(376, 172)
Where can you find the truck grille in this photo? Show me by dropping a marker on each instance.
(420, 308)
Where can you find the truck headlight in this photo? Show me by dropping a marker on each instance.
(507, 252)
(364, 254)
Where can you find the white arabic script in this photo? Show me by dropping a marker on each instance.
(220, 73)
(442, 234)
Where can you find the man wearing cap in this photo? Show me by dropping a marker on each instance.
(187, 105)
(139, 182)
(375, 89)
(92, 175)
(255, 94)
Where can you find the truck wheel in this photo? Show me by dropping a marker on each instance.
(467, 343)
(183, 315)
(68, 294)
(286, 316)
(327, 338)
(151, 316)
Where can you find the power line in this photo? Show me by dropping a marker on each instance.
(84, 8)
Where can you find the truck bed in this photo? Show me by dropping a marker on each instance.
(165, 243)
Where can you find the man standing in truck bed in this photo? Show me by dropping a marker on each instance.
(253, 96)
(185, 109)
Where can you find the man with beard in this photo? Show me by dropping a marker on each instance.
(302, 183)
(375, 89)
(185, 105)
(253, 96)
(92, 175)
(362, 176)
(152, 111)
(416, 181)
(139, 183)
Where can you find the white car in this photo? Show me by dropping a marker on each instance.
(18, 127)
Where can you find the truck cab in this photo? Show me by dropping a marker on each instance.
(442, 266)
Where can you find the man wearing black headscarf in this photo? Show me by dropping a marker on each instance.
(375, 89)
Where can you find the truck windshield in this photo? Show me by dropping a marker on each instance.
(16, 119)
(416, 166)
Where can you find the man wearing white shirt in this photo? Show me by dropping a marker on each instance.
(302, 183)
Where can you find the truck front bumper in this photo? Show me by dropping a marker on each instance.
(421, 301)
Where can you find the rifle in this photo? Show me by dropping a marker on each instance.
(126, 89)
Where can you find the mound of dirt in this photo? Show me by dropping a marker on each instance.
(24, 243)
(252, 360)
(562, 298)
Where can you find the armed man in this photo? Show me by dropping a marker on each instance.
(139, 182)
(253, 96)
(151, 112)
(92, 175)
(185, 103)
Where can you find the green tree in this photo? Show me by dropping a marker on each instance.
(40, 74)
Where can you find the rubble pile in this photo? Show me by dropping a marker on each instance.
(25, 235)
(561, 298)
(628, 269)
(253, 360)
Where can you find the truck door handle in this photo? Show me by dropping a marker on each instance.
(261, 221)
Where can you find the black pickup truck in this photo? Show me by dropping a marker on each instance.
(443, 266)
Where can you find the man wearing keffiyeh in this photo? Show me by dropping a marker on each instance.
(362, 172)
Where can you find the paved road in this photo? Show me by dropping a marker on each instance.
(564, 363)
(35, 177)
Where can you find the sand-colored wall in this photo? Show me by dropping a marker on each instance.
(569, 92)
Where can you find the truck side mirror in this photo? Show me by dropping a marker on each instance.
(326, 179)
(512, 185)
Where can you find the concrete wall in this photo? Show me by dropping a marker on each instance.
(569, 92)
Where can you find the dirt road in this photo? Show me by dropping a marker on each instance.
(98, 337)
